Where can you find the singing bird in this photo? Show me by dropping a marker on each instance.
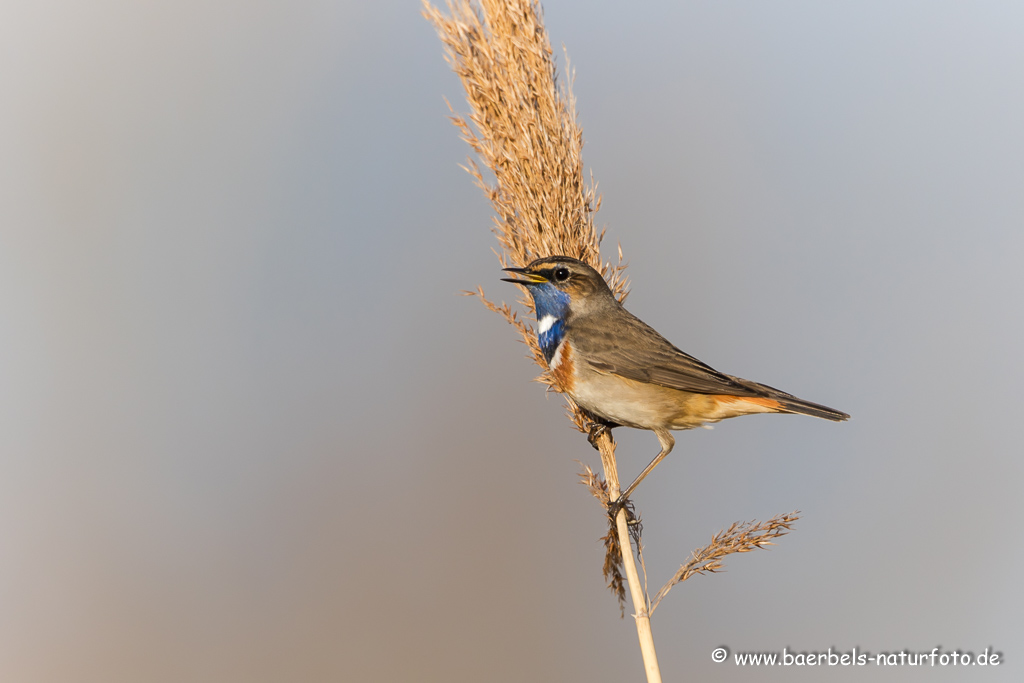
(623, 373)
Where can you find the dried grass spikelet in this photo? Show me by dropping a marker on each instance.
(522, 127)
(612, 568)
(741, 537)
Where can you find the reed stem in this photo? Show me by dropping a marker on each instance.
(641, 607)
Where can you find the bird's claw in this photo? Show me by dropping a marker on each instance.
(626, 504)
(597, 429)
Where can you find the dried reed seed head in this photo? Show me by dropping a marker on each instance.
(612, 568)
(522, 127)
(597, 486)
(740, 537)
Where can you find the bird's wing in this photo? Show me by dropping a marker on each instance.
(624, 345)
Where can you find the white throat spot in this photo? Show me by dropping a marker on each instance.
(545, 323)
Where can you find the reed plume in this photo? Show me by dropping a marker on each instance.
(523, 128)
(741, 537)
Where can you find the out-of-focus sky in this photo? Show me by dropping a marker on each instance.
(250, 432)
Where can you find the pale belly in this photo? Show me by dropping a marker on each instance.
(639, 405)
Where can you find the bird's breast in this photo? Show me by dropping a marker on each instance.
(563, 367)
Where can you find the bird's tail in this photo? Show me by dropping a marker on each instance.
(792, 404)
(788, 403)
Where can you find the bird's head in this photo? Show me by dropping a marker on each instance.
(560, 285)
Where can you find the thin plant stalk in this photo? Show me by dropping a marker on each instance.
(642, 611)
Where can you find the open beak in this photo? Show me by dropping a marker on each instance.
(531, 278)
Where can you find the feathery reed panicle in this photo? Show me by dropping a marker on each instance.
(741, 537)
(523, 128)
(612, 568)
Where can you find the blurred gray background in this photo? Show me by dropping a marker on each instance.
(250, 432)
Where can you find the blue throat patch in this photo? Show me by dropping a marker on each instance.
(550, 301)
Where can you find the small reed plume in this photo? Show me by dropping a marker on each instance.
(741, 537)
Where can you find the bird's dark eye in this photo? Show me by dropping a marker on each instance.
(562, 274)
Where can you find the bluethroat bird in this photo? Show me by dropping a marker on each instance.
(623, 373)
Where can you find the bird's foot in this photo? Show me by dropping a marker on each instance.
(626, 504)
(597, 429)
(633, 525)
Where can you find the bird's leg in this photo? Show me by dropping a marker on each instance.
(667, 442)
